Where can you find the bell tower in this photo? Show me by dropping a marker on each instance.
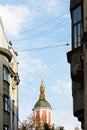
(42, 110)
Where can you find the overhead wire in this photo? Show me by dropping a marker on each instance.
(38, 27)
(53, 64)
(49, 31)
(55, 61)
(46, 23)
(45, 32)
(42, 48)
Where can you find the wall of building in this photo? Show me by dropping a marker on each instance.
(78, 61)
(9, 88)
(42, 115)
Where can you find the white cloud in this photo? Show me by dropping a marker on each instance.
(31, 66)
(41, 7)
(13, 17)
(63, 110)
(53, 7)
(60, 116)
(61, 87)
(66, 119)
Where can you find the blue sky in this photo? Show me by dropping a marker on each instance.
(39, 31)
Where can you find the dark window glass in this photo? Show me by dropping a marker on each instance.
(77, 14)
(6, 100)
(77, 26)
(5, 74)
(13, 111)
(5, 127)
(79, 33)
(75, 37)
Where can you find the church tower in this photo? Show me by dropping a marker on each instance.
(42, 110)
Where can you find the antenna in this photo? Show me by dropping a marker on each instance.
(42, 77)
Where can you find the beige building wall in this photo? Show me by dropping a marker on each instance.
(14, 89)
(8, 59)
(3, 40)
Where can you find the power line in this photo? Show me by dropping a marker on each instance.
(48, 22)
(58, 25)
(42, 48)
(37, 35)
(51, 30)
(54, 62)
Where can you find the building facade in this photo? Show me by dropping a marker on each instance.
(77, 58)
(9, 81)
(42, 110)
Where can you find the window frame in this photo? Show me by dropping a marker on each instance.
(6, 103)
(77, 30)
(5, 73)
(13, 104)
(75, 13)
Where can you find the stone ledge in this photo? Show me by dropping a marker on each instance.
(6, 53)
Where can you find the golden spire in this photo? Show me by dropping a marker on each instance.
(42, 88)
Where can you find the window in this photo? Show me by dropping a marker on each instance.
(5, 74)
(77, 26)
(13, 111)
(5, 127)
(6, 100)
(77, 14)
